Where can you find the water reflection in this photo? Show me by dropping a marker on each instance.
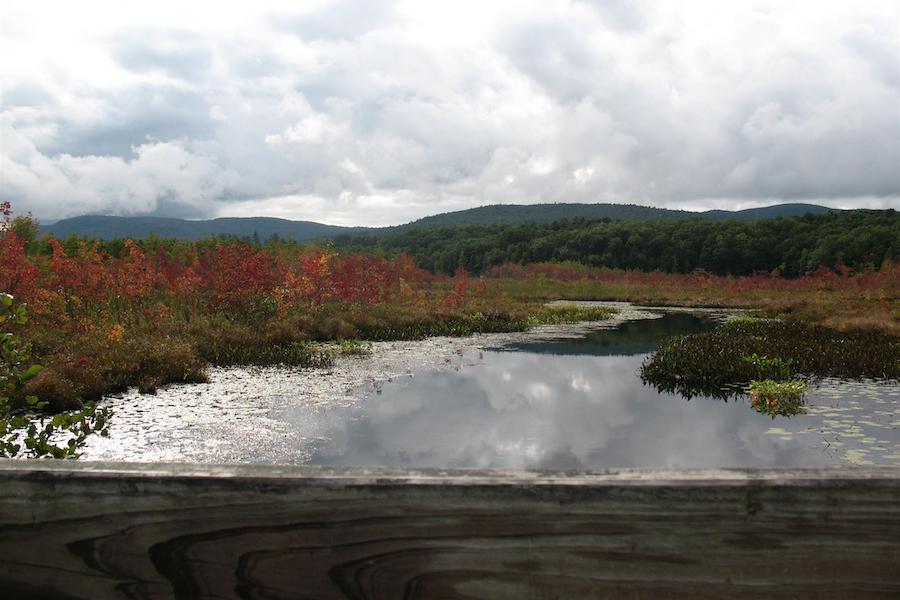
(523, 411)
(584, 407)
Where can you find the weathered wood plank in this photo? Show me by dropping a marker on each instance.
(92, 530)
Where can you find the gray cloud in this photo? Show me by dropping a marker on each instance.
(338, 20)
(179, 54)
(557, 57)
(797, 127)
(623, 15)
(26, 95)
(135, 116)
(353, 114)
(880, 49)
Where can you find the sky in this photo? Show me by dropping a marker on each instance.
(369, 112)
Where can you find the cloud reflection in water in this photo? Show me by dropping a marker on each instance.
(528, 410)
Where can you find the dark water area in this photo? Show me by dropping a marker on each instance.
(578, 402)
(628, 339)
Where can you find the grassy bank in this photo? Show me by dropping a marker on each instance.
(105, 356)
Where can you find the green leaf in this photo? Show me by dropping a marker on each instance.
(31, 372)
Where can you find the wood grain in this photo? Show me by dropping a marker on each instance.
(101, 530)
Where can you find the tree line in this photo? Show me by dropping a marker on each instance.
(791, 246)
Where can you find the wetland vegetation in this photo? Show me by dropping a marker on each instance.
(105, 316)
(557, 397)
(741, 351)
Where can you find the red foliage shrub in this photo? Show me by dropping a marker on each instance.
(17, 275)
(235, 274)
(134, 274)
(86, 275)
(457, 296)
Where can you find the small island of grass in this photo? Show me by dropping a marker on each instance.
(770, 357)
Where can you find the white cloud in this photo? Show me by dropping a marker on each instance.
(67, 185)
(364, 112)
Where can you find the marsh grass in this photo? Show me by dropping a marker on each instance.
(727, 359)
(570, 313)
(92, 363)
(353, 347)
(415, 326)
(844, 301)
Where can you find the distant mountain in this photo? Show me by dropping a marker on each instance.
(546, 213)
(104, 227)
(769, 212)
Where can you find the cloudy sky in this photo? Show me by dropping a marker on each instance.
(367, 112)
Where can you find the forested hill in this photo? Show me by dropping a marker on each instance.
(793, 245)
(262, 228)
(547, 213)
(104, 227)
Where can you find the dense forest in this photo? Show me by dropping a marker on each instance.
(791, 246)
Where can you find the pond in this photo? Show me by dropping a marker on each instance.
(556, 398)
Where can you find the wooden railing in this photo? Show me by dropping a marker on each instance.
(103, 530)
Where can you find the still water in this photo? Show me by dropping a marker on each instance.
(534, 402)
(579, 403)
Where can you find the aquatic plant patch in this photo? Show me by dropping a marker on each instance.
(724, 361)
(777, 398)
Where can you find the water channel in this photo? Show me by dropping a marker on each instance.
(554, 398)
